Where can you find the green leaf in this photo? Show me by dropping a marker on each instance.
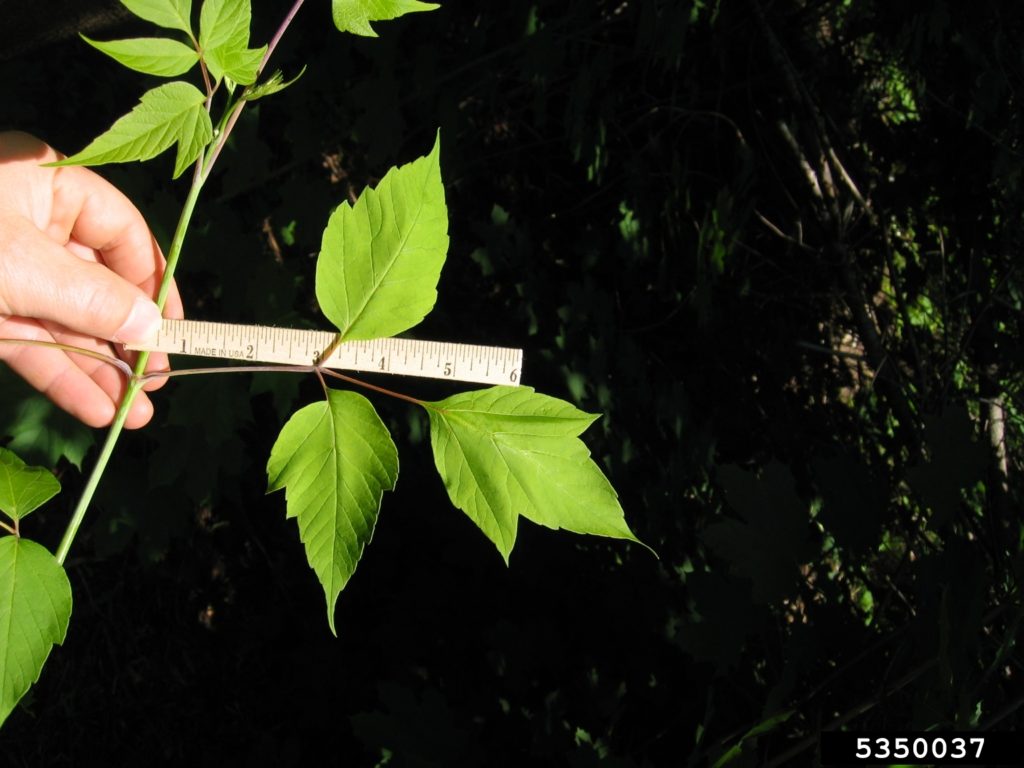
(381, 258)
(242, 66)
(196, 132)
(509, 451)
(766, 726)
(151, 55)
(167, 114)
(355, 15)
(172, 14)
(39, 431)
(273, 84)
(35, 607)
(224, 38)
(23, 488)
(335, 459)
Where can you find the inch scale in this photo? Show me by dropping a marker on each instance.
(292, 346)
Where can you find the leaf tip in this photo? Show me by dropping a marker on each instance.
(330, 614)
(646, 546)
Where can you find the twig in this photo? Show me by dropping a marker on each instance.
(110, 359)
(374, 387)
(279, 34)
(204, 164)
(236, 112)
(227, 369)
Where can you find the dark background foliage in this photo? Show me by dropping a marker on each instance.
(776, 243)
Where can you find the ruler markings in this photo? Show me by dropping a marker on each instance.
(413, 357)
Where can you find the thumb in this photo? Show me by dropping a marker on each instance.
(42, 280)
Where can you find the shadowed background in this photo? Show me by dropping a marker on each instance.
(776, 244)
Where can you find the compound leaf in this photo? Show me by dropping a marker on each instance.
(167, 114)
(509, 451)
(224, 38)
(151, 55)
(335, 459)
(355, 15)
(35, 607)
(381, 258)
(172, 14)
(23, 488)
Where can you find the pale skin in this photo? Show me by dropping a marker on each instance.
(78, 266)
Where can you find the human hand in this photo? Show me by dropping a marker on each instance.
(78, 266)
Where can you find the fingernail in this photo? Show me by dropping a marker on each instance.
(142, 324)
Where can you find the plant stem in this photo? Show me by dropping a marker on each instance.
(129, 374)
(280, 32)
(134, 385)
(327, 392)
(203, 167)
(97, 471)
(368, 385)
(207, 83)
(236, 111)
(117, 362)
(228, 369)
(175, 251)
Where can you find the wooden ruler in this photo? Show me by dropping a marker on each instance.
(291, 346)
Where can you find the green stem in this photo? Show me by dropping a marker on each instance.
(176, 244)
(203, 167)
(97, 471)
(134, 385)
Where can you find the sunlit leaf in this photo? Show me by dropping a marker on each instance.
(224, 38)
(509, 451)
(355, 15)
(172, 14)
(151, 55)
(381, 258)
(242, 66)
(195, 133)
(35, 607)
(169, 114)
(23, 488)
(273, 84)
(335, 459)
